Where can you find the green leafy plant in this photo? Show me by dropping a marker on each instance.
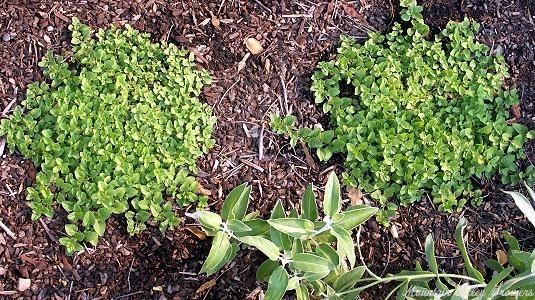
(115, 130)
(303, 258)
(298, 245)
(415, 113)
(517, 281)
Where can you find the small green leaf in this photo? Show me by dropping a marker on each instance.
(99, 227)
(91, 237)
(89, 219)
(71, 229)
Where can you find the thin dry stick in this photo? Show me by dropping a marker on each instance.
(128, 295)
(263, 6)
(47, 230)
(260, 144)
(224, 94)
(220, 7)
(7, 230)
(285, 94)
(128, 278)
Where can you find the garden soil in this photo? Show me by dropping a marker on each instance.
(295, 35)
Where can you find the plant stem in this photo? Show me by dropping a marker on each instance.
(409, 278)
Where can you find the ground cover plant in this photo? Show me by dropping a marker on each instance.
(116, 129)
(319, 259)
(415, 113)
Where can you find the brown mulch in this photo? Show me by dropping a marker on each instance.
(295, 36)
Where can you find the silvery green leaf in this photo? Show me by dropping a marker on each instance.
(472, 272)
(496, 279)
(298, 228)
(311, 263)
(309, 208)
(349, 279)
(432, 261)
(282, 240)
(216, 257)
(302, 293)
(264, 245)
(265, 270)
(524, 205)
(326, 251)
(236, 203)
(345, 245)
(332, 200)
(209, 219)
(277, 284)
(236, 225)
(354, 216)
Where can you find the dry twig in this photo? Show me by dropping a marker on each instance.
(7, 230)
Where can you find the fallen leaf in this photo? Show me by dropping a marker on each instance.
(253, 45)
(201, 235)
(355, 195)
(330, 8)
(215, 22)
(202, 190)
(352, 12)
(205, 286)
(516, 110)
(255, 294)
(501, 257)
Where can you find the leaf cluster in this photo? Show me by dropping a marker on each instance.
(115, 130)
(414, 113)
(317, 259)
(299, 245)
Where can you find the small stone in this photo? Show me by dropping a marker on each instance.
(50, 28)
(254, 45)
(6, 37)
(499, 50)
(24, 284)
(3, 271)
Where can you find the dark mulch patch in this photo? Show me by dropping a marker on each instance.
(295, 36)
